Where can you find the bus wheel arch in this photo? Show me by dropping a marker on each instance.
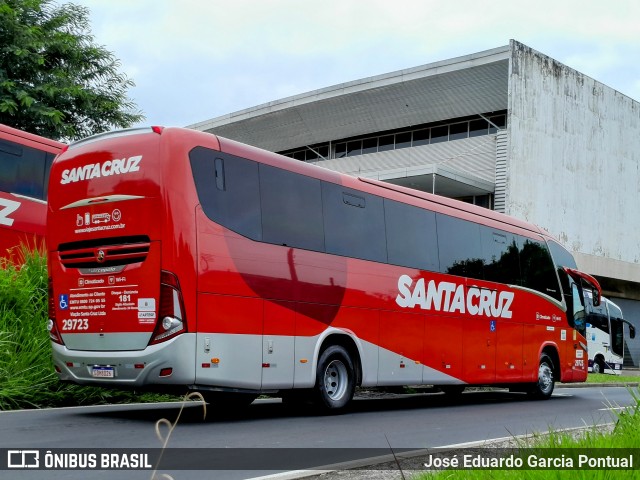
(338, 372)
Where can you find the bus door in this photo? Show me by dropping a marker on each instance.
(479, 340)
(575, 283)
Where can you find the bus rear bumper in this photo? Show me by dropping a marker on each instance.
(168, 363)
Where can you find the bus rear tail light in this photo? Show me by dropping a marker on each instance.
(171, 317)
(54, 334)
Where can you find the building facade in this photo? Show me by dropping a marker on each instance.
(509, 129)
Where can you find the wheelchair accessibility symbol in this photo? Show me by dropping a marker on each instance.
(492, 326)
(63, 301)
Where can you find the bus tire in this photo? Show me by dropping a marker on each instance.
(543, 388)
(598, 366)
(335, 379)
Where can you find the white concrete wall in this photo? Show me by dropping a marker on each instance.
(573, 162)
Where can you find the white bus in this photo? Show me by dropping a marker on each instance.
(605, 336)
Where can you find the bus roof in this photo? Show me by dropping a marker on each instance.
(31, 140)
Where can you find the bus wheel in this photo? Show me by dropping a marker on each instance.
(598, 366)
(543, 388)
(335, 378)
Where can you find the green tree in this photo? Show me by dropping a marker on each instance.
(54, 80)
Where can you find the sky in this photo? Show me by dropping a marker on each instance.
(193, 60)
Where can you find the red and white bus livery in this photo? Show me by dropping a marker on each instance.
(182, 259)
(25, 160)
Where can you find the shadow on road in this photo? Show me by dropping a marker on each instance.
(274, 408)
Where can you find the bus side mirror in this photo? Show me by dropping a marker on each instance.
(632, 331)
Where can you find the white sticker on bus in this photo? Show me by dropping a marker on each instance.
(7, 208)
(104, 169)
(146, 305)
(451, 297)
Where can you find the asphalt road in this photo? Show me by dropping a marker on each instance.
(404, 422)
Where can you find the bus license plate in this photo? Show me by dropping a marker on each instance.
(103, 372)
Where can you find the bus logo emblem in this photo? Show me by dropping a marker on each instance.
(100, 256)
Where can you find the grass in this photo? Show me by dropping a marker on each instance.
(592, 442)
(27, 377)
(603, 378)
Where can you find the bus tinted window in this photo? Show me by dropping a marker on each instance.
(411, 236)
(353, 223)
(501, 256)
(291, 209)
(537, 268)
(237, 205)
(22, 169)
(459, 247)
(561, 256)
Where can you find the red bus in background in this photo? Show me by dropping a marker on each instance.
(181, 259)
(25, 161)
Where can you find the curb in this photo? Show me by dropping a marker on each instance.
(597, 385)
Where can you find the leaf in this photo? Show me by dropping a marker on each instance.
(54, 79)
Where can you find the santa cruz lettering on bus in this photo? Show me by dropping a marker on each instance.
(451, 297)
(104, 169)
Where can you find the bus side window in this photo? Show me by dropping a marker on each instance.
(460, 250)
(291, 209)
(411, 236)
(22, 170)
(537, 268)
(353, 223)
(237, 205)
(579, 317)
(501, 256)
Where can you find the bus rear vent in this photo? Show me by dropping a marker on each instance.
(104, 252)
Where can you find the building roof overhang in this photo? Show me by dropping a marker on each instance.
(458, 87)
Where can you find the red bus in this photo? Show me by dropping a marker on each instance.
(182, 259)
(25, 160)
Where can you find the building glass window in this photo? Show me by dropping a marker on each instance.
(385, 143)
(458, 131)
(471, 127)
(499, 120)
(354, 148)
(421, 137)
(478, 127)
(403, 140)
(369, 145)
(440, 134)
(324, 152)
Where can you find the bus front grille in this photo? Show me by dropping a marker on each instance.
(104, 252)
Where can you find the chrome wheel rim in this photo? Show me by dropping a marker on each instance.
(545, 378)
(335, 380)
